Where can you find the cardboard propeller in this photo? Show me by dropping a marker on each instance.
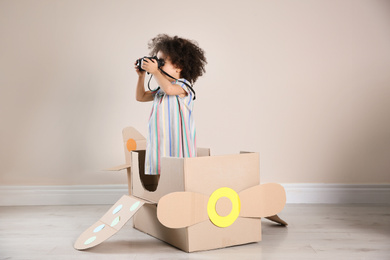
(110, 223)
(183, 209)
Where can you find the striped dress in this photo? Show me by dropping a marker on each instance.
(171, 129)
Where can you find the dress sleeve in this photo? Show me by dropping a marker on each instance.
(181, 83)
(187, 101)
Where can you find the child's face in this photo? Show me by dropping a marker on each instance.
(168, 67)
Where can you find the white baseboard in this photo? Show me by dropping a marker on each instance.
(61, 195)
(109, 194)
(337, 193)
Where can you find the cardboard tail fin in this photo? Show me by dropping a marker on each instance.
(275, 218)
(110, 223)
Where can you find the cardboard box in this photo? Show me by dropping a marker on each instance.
(198, 203)
(203, 175)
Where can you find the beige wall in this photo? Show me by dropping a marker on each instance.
(304, 83)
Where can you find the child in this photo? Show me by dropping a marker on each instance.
(171, 127)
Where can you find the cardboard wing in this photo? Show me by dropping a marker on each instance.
(184, 209)
(110, 223)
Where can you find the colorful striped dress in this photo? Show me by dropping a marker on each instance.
(171, 129)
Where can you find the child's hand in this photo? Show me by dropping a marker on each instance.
(150, 66)
(140, 73)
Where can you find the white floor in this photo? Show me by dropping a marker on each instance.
(314, 232)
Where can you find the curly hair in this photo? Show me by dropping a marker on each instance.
(184, 53)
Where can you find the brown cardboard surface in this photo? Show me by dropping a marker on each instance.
(129, 180)
(202, 236)
(149, 182)
(171, 179)
(146, 221)
(110, 223)
(262, 200)
(224, 206)
(206, 236)
(131, 132)
(132, 140)
(202, 177)
(95, 237)
(135, 138)
(207, 174)
(126, 203)
(182, 209)
(277, 219)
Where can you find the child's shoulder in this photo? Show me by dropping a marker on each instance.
(187, 86)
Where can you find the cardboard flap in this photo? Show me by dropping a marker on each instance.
(262, 200)
(110, 223)
(118, 168)
(182, 209)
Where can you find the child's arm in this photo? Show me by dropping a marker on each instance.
(140, 94)
(164, 83)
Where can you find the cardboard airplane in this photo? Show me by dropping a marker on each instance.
(197, 203)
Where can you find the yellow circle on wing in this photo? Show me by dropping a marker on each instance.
(131, 145)
(236, 207)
